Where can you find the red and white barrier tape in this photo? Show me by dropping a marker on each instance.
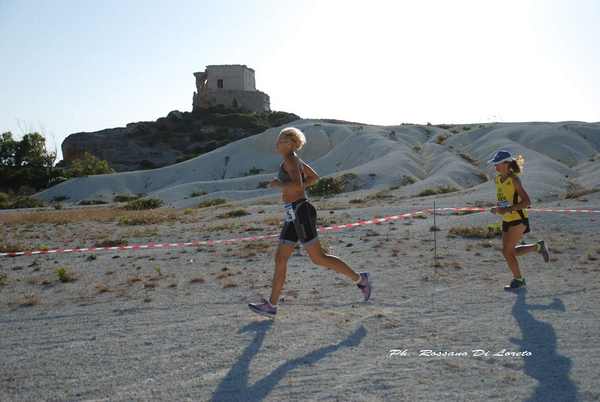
(255, 238)
(473, 209)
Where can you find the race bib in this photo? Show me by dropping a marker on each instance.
(288, 214)
(503, 204)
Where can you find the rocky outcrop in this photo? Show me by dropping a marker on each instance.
(171, 139)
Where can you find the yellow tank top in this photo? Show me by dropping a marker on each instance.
(507, 196)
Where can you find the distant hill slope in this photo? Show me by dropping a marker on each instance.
(408, 159)
(171, 139)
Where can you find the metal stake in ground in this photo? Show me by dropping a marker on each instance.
(435, 261)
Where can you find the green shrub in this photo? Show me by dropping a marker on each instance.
(329, 186)
(111, 243)
(5, 201)
(253, 171)
(147, 165)
(26, 202)
(64, 275)
(438, 190)
(440, 139)
(233, 214)
(88, 165)
(126, 197)
(212, 203)
(92, 202)
(197, 194)
(426, 192)
(143, 203)
(469, 159)
(404, 181)
(326, 186)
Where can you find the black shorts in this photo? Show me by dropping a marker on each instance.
(304, 227)
(506, 225)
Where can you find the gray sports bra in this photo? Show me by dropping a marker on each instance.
(284, 177)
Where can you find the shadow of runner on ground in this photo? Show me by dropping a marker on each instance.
(235, 387)
(549, 368)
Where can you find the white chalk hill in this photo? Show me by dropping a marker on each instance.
(409, 158)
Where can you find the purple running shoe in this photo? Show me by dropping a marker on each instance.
(364, 285)
(264, 308)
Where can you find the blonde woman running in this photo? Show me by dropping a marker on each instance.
(300, 222)
(512, 203)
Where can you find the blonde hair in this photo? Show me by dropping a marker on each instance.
(294, 135)
(517, 165)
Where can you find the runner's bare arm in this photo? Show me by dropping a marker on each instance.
(311, 176)
(525, 201)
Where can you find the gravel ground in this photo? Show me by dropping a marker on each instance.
(172, 324)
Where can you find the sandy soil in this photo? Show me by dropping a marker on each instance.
(172, 324)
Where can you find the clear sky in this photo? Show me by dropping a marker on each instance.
(80, 65)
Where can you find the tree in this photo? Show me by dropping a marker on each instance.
(8, 148)
(88, 165)
(25, 163)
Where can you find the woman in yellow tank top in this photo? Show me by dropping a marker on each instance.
(512, 204)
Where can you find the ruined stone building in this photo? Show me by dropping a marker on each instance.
(232, 86)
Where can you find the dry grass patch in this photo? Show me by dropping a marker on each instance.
(224, 275)
(133, 279)
(143, 203)
(111, 243)
(456, 265)
(469, 159)
(575, 190)
(272, 221)
(236, 213)
(28, 300)
(39, 281)
(212, 203)
(60, 216)
(104, 215)
(476, 232)
(461, 213)
(10, 247)
(102, 288)
(147, 217)
(437, 190)
(146, 232)
(380, 195)
(219, 228)
(253, 248)
(229, 284)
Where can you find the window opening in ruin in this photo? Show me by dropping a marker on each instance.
(220, 84)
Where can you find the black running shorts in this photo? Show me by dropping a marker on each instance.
(506, 225)
(304, 227)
